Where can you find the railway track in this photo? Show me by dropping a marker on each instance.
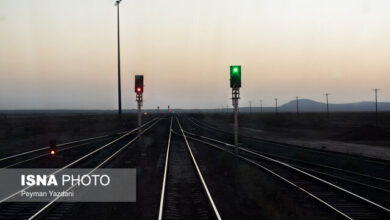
(345, 203)
(286, 146)
(184, 194)
(376, 189)
(377, 175)
(53, 209)
(11, 161)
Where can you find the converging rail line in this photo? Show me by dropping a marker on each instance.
(208, 126)
(184, 190)
(340, 200)
(373, 187)
(12, 160)
(33, 210)
(377, 189)
(42, 210)
(367, 178)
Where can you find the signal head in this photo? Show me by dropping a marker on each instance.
(235, 77)
(139, 83)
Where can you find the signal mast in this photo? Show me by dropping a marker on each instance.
(139, 89)
(235, 84)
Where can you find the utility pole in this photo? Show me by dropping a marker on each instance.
(376, 106)
(119, 64)
(276, 105)
(250, 106)
(297, 105)
(261, 105)
(327, 103)
(169, 109)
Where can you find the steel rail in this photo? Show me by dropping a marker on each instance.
(310, 150)
(76, 161)
(160, 212)
(45, 154)
(199, 173)
(297, 170)
(67, 143)
(98, 166)
(311, 164)
(287, 145)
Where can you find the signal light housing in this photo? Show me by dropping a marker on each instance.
(52, 148)
(235, 77)
(139, 83)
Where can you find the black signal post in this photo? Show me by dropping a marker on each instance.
(235, 84)
(139, 89)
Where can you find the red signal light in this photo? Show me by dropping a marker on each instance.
(52, 152)
(139, 89)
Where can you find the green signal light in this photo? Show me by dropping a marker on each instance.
(235, 76)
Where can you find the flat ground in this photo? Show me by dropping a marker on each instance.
(352, 133)
(240, 189)
(347, 127)
(29, 131)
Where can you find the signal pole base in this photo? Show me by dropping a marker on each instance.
(235, 98)
(139, 99)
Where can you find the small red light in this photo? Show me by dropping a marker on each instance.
(52, 152)
(138, 89)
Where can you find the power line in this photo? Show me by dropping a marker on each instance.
(261, 105)
(327, 103)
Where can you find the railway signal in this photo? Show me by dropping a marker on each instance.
(52, 147)
(139, 89)
(139, 84)
(235, 77)
(235, 84)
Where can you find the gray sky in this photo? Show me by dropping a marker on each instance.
(61, 54)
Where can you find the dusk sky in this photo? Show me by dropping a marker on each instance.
(62, 54)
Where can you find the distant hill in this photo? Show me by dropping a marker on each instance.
(305, 105)
(308, 105)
